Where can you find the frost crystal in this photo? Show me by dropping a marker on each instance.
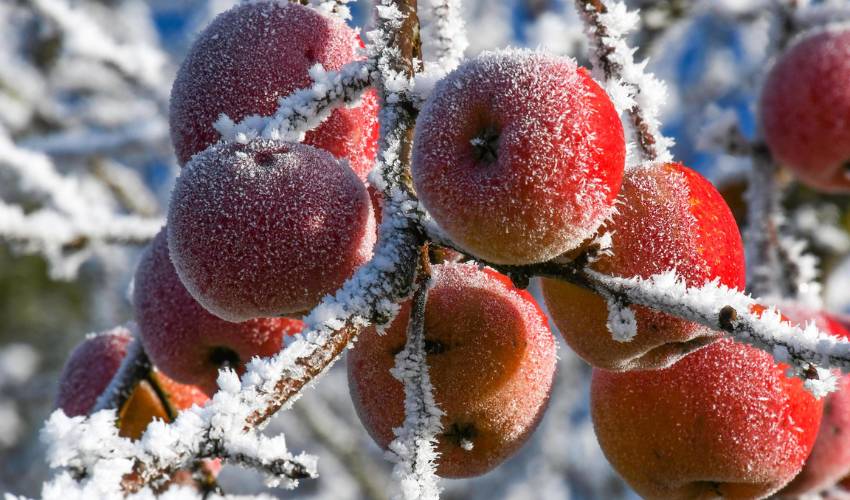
(413, 449)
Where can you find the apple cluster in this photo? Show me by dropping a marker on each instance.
(519, 156)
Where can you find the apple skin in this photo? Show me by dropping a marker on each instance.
(518, 156)
(89, 370)
(491, 361)
(670, 217)
(830, 457)
(267, 228)
(187, 342)
(805, 107)
(724, 421)
(256, 53)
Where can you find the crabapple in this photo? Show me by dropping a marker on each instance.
(804, 109)
(182, 338)
(256, 53)
(671, 217)
(267, 228)
(724, 421)
(518, 156)
(89, 369)
(830, 457)
(491, 361)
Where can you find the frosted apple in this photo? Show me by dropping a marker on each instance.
(805, 109)
(724, 421)
(256, 53)
(830, 457)
(670, 218)
(518, 156)
(184, 340)
(267, 228)
(89, 369)
(491, 360)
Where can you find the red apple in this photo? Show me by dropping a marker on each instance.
(805, 109)
(670, 218)
(267, 228)
(89, 369)
(253, 55)
(830, 457)
(724, 421)
(182, 338)
(518, 156)
(491, 361)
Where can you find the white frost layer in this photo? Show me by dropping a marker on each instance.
(413, 450)
(630, 85)
(803, 348)
(305, 109)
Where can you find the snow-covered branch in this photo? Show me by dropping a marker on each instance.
(413, 450)
(227, 425)
(777, 265)
(633, 91)
(70, 220)
(443, 35)
(134, 367)
(808, 351)
(304, 109)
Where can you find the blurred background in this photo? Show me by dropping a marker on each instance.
(86, 167)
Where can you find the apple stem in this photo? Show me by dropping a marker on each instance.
(485, 146)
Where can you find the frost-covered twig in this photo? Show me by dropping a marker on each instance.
(413, 449)
(304, 109)
(227, 425)
(777, 266)
(338, 8)
(70, 220)
(809, 351)
(762, 232)
(443, 35)
(134, 367)
(138, 63)
(633, 90)
(64, 240)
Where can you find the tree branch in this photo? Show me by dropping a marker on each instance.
(135, 366)
(226, 426)
(632, 90)
(413, 449)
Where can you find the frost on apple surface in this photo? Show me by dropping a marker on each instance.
(304, 213)
(276, 44)
(516, 108)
